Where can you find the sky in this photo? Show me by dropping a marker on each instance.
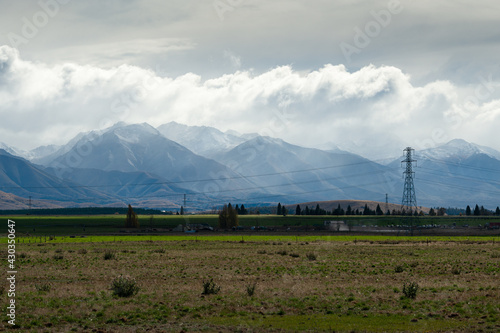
(372, 77)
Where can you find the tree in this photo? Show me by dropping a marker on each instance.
(468, 211)
(182, 210)
(497, 212)
(284, 211)
(317, 210)
(228, 217)
(349, 210)
(131, 221)
(432, 212)
(243, 210)
(297, 210)
(477, 212)
(366, 210)
(278, 211)
(378, 210)
(307, 211)
(441, 211)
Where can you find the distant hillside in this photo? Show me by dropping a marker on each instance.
(11, 201)
(355, 204)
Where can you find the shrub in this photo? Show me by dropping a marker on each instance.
(58, 257)
(82, 251)
(294, 255)
(251, 289)
(124, 286)
(109, 254)
(399, 269)
(160, 250)
(283, 253)
(209, 287)
(311, 256)
(59, 251)
(410, 290)
(22, 255)
(44, 287)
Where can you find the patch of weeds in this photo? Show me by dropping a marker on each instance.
(59, 251)
(82, 251)
(410, 290)
(124, 286)
(71, 251)
(399, 269)
(262, 252)
(209, 287)
(456, 271)
(109, 254)
(294, 255)
(311, 256)
(283, 253)
(58, 257)
(44, 287)
(251, 289)
(160, 250)
(22, 255)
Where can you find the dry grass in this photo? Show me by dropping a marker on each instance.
(353, 285)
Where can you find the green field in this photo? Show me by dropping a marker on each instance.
(112, 224)
(302, 283)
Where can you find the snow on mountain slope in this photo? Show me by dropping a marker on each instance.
(140, 147)
(458, 149)
(202, 140)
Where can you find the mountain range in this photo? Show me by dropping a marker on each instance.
(157, 167)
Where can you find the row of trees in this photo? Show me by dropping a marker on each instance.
(481, 211)
(282, 210)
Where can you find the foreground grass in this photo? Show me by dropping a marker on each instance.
(302, 284)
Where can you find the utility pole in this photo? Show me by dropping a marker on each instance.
(409, 202)
(386, 203)
(29, 205)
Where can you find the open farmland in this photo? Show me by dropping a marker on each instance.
(301, 283)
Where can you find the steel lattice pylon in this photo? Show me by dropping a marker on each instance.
(409, 202)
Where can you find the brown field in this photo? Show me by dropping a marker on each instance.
(331, 285)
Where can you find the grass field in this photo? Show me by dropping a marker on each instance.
(309, 283)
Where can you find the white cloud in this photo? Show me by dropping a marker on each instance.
(42, 104)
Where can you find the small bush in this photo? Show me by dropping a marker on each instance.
(58, 257)
(283, 253)
(311, 256)
(108, 255)
(44, 287)
(251, 289)
(22, 255)
(124, 286)
(209, 287)
(410, 290)
(161, 250)
(398, 269)
(294, 255)
(82, 251)
(59, 251)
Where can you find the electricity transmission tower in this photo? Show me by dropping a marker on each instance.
(409, 202)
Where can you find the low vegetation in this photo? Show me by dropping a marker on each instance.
(223, 284)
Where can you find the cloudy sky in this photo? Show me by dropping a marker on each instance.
(370, 76)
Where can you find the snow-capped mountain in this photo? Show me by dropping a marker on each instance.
(297, 172)
(140, 147)
(202, 140)
(138, 163)
(457, 149)
(457, 173)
